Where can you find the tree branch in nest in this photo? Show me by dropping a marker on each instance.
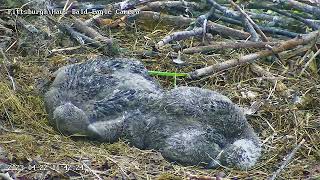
(227, 12)
(314, 24)
(83, 39)
(302, 7)
(272, 20)
(300, 40)
(89, 31)
(234, 15)
(255, 26)
(197, 31)
(270, 30)
(287, 160)
(184, 22)
(177, 36)
(80, 38)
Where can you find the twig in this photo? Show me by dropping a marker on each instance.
(305, 56)
(86, 166)
(309, 50)
(203, 21)
(5, 59)
(52, 51)
(249, 28)
(226, 31)
(121, 169)
(254, 56)
(8, 142)
(180, 36)
(65, 9)
(287, 160)
(11, 45)
(310, 60)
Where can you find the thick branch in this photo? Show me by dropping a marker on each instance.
(254, 56)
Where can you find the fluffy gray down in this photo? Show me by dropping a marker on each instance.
(107, 99)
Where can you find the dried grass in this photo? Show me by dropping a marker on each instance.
(281, 124)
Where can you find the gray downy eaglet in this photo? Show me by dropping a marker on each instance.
(111, 98)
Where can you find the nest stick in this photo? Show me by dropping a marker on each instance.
(310, 60)
(250, 58)
(176, 36)
(314, 24)
(287, 160)
(302, 6)
(89, 31)
(184, 22)
(270, 30)
(255, 26)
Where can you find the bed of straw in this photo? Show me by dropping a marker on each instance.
(36, 150)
